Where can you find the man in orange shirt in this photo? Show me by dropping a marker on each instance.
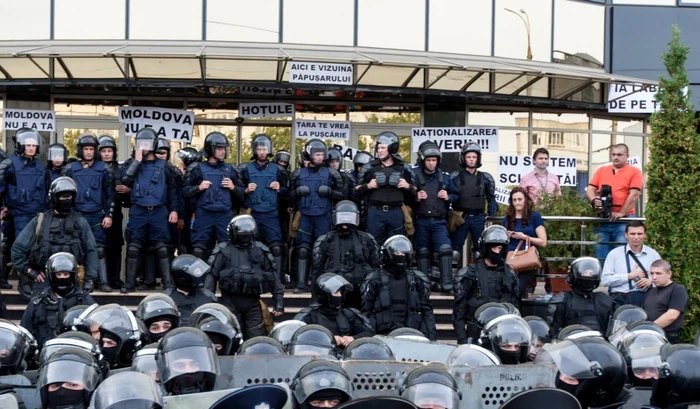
(626, 183)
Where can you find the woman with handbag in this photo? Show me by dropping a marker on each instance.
(527, 235)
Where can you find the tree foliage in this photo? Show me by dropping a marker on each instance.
(673, 179)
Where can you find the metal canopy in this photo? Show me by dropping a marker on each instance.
(87, 61)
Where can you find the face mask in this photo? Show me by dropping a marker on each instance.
(509, 357)
(65, 398)
(64, 206)
(495, 258)
(157, 337)
(572, 389)
(109, 354)
(396, 271)
(62, 286)
(335, 302)
(189, 383)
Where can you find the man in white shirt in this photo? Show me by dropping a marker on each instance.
(626, 269)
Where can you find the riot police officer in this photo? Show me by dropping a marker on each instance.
(284, 331)
(115, 238)
(95, 200)
(283, 158)
(361, 159)
(244, 270)
(8, 235)
(397, 296)
(285, 208)
(62, 229)
(623, 316)
(16, 347)
(435, 194)
(261, 346)
(582, 305)
(128, 390)
(67, 379)
(313, 188)
(321, 384)
(540, 334)
(145, 361)
(476, 191)
(42, 315)
(346, 324)
(159, 313)
(154, 204)
(187, 362)
(189, 274)
(346, 251)
(431, 386)
(264, 182)
(509, 337)
(334, 160)
(313, 340)
(213, 183)
(226, 336)
(679, 383)
(487, 280)
(388, 183)
(189, 159)
(57, 158)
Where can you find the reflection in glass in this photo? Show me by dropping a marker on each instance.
(243, 20)
(25, 20)
(24, 68)
(449, 31)
(647, 2)
(165, 19)
(305, 20)
(89, 19)
(579, 33)
(386, 76)
(398, 24)
(526, 19)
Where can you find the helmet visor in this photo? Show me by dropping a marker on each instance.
(219, 312)
(57, 153)
(187, 360)
(310, 350)
(472, 356)
(28, 138)
(146, 364)
(10, 344)
(351, 218)
(645, 362)
(284, 333)
(57, 344)
(570, 360)
(128, 390)
(319, 381)
(334, 284)
(435, 394)
(68, 371)
(144, 144)
(362, 158)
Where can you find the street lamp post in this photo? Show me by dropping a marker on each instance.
(526, 21)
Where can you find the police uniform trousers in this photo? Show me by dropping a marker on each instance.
(431, 231)
(148, 224)
(248, 311)
(384, 222)
(115, 242)
(313, 227)
(94, 219)
(474, 224)
(268, 226)
(210, 225)
(21, 221)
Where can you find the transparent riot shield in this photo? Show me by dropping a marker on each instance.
(407, 350)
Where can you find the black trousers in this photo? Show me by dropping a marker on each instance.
(248, 312)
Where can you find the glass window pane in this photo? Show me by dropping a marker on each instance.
(165, 20)
(519, 119)
(241, 69)
(65, 109)
(579, 33)
(91, 68)
(450, 32)
(25, 20)
(167, 68)
(398, 24)
(512, 27)
(453, 80)
(386, 76)
(23, 67)
(603, 143)
(71, 16)
(377, 116)
(327, 23)
(647, 2)
(243, 20)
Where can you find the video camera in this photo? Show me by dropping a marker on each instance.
(606, 199)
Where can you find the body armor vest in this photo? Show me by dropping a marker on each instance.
(217, 198)
(490, 287)
(244, 273)
(263, 199)
(90, 190)
(48, 312)
(580, 310)
(28, 194)
(386, 192)
(348, 258)
(314, 204)
(384, 311)
(472, 192)
(433, 206)
(150, 185)
(57, 234)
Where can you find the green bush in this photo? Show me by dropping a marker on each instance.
(673, 180)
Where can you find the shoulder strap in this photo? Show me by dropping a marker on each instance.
(482, 281)
(357, 246)
(419, 176)
(441, 175)
(641, 266)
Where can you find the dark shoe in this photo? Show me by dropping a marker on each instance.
(146, 287)
(299, 290)
(126, 290)
(4, 285)
(105, 288)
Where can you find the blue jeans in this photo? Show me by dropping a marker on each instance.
(609, 232)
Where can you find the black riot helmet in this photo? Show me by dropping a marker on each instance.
(188, 155)
(189, 272)
(261, 140)
(26, 136)
(472, 356)
(540, 333)
(584, 275)
(397, 251)
(226, 337)
(145, 361)
(327, 285)
(62, 187)
(642, 354)
(3, 155)
(187, 362)
(14, 344)
(31, 354)
(346, 216)
(62, 263)
(215, 140)
(492, 310)
(509, 337)
(494, 235)
(391, 141)
(107, 141)
(86, 139)
(368, 349)
(576, 331)
(261, 346)
(242, 230)
(283, 156)
(71, 318)
(470, 147)
(284, 331)
(312, 340)
(128, 390)
(639, 327)
(118, 324)
(679, 377)
(73, 365)
(624, 316)
(321, 380)
(407, 333)
(163, 148)
(589, 368)
(73, 339)
(146, 140)
(155, 308)
(57, 151)
(215, 310)
(361, 159)
(429, 150)
(431, 383)
(312, 147)
(334, 154)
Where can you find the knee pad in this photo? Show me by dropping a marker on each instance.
(303, 252)
(133, 250)
(198, 252)
(445, 250)
(422, 253)
(456, 256)
(101, 253)
(276, 248)
(161, 250)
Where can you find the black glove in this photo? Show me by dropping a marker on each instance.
(303, 191)
(88, 286)
(279, 308)
(33, 274)
(324, 191)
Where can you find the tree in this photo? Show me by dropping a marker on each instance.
(281, 137)
(70, 140)
(673, 180)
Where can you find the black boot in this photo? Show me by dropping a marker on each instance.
(446, 269)
(102, 270)
(4, 285)
(423, 261)
(132, 264)
(164, 266)
(302, 269)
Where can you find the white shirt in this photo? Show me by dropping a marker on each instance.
(615, 270)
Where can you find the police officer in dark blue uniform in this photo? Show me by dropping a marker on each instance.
(388, 183)
(57, 159)
(435, 193)
(153, 206)
(213, 183)
(313, 187)
(163, 152)
(264, 182)
(95, 201)
(286, 206)
(475, 190)
(115, 238)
